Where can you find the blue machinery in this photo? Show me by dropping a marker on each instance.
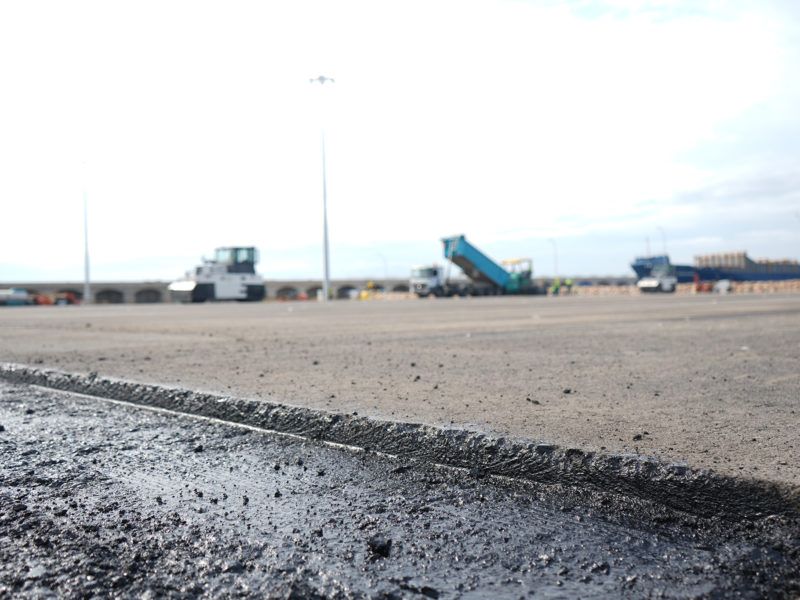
(515, 278)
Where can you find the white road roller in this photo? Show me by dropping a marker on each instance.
(231, 275)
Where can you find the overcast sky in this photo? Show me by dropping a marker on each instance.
(586, 128)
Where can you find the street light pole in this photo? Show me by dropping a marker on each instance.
(326, 282)
(87, 288)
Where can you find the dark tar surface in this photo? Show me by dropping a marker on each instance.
(106, 499)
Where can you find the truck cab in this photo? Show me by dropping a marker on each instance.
(427, 280)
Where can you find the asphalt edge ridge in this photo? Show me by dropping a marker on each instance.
(696, 491)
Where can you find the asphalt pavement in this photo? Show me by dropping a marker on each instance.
(101, 498)
(636, 446)
(707, 380)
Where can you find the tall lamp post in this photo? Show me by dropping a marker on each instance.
(326, 282)
(87, 288)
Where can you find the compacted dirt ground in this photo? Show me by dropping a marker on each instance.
(710, 380)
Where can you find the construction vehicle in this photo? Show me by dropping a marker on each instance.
(57, 299)
(231, 275)
(14, 297)
(662, 278)
(431, 280)
(486, 277)
(21, 297)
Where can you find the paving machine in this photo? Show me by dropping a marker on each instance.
(486, 277)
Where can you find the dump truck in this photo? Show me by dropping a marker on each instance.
(485, 276)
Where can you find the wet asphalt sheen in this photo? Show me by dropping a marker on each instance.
(103, 499)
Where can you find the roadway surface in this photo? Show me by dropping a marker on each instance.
(710, 380)
(104, 499)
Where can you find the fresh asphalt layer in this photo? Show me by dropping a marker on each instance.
(711, 382)
(102, 498)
